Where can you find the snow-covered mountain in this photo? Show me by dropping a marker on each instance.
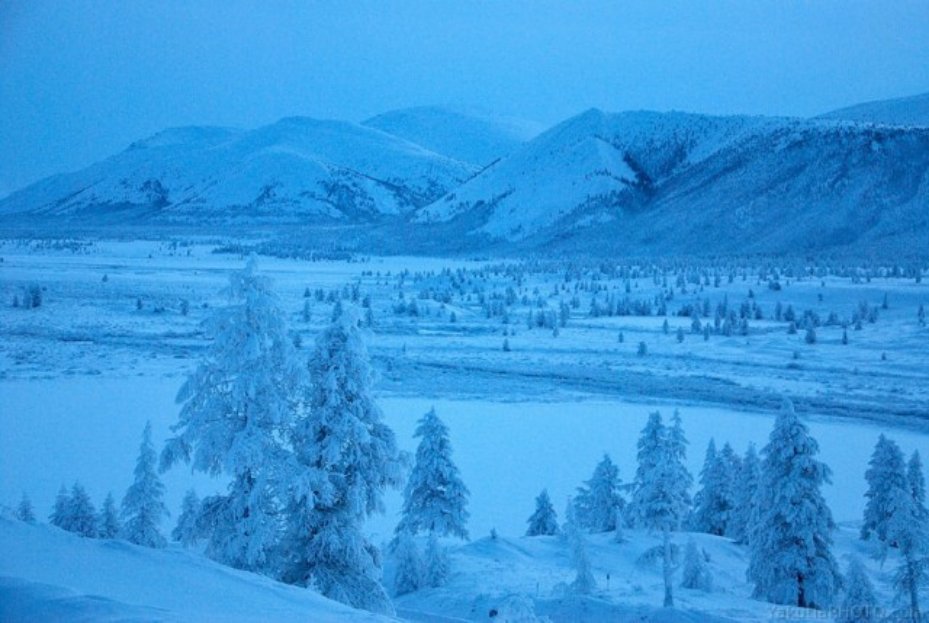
(470, 137)
(295, 170)
(591, 161)
(429, 180)
(639, 182)
(903, 111)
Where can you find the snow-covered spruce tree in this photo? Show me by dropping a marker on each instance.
(695, 574)
(859, 605)
(143, 505)
(108, 521)
(24, 511)
(910, 533)
(677, 446)
(80, 516)
(584, 583)
(59, 515)
(791, 560)
(435, 499)
(188, 529)
(345, 458)
(714, 501)
(237, 406)
(744, 511)
(650, 445)
(597, 500)
(409, 574)
(886, 473)
(917, 481)
(436, 567)
(544, 521)
(661, 495)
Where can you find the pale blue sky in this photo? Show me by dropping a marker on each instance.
(81, 80)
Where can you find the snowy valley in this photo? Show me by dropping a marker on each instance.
(538, 369)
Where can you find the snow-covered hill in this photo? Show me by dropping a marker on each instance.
(902, 111)
(474, 138)
(592, 161)
(296, 170)
(647, 182)
(48, 575)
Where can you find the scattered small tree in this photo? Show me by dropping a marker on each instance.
(143, 505)
(409, 575)
(435, 499)
(59, 514)
(859, 604)
(24, 511)
(436, 564)
(886, 473)
(696, 575)
(544, 521)
(189, 529)
(597, 500)
(81, 516)
(584, 583)
(108, 526)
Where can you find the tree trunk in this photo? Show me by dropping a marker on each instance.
(668, 595)
(914, 588)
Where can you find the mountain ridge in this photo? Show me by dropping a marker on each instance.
(628, 182)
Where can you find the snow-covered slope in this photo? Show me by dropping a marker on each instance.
(640, 182)
(590, 161)
(47, 574)
(474, 138)
(903, 111)
(295, 170)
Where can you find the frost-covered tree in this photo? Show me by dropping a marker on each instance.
(108, 526)
(189, 527)
(909, 531)
(143, 505)
(409, 574)
(745, 488)
(237, 407)
(597, 500)
(80, 516)
(714, 503)
(435, 499)
(436, 566)
(917, 481)
(791, 560)
(859, 605)
(677, 446)
(544, 521)
(345, 457)
(25, 512)
(695, 574)
(59, 514)
(886, 473)
(584, 583)
(661, 495)
(650, 445)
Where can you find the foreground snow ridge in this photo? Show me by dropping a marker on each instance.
(47, 574)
